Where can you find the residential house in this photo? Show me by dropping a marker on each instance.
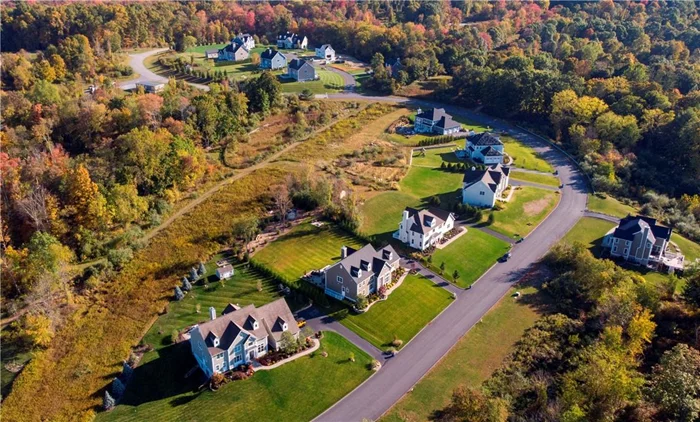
(326, 52)
(240, 335)
(301, 70)
(225, 272)
(234, 53)
(360, 272)
(643, 241)
(272, 59)
(291, 40)
(435, 121)
(151, 87)
(421, 229)
(484, 148)
(211, 54)
(481, 188)
(246, 40)
(393, 67)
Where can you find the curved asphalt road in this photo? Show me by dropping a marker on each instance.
(399, 374)
(136, 61)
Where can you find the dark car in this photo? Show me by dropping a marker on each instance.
(505, 257)
(520, 240)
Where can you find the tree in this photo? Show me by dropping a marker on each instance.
(186, 285)
(127, 371)
(86, 204)
(38, 329)
(246, 229)
(120, 256)
(361, 302)
(455, 275)
(202, 269)
(118, 388)
(178, 293)
(193, 274)
(471, 405)
(282, 199)
(442, 268)
(691, 292)
(675, 383)
(78, 54)
(306, 332)
(108, 401)
(288, 343)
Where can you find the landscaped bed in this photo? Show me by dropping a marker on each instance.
(525, 210)
(296, 391)
(471, 255)
(409, 308)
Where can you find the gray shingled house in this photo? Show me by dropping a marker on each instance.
(272, 59)
(360, 272)
(301, 70)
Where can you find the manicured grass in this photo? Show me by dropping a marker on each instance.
(305, 248)
(690, 249)
(411, 141)
(297, 391)
(543, 179)
(473, 359)
(527, 208)
(609, 206)
(471, 255)
(408, 309)
(242, 288)
(327, 82)
(237, 70)
(470, 125)
(434, 157)
(426, 182)
(382, 213)
(524, 156)
(590, 232)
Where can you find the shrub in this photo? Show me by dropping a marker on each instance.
(397, 342)
(362, 302)
(174, 336)
(492, 218)
(375, 365)
(119, 257)
(118, 388)
(108, 401)
(351, 358)
(178, 293)
(186, 285)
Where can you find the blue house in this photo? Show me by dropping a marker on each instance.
(272, 59)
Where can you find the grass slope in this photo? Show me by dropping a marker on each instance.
(305, 248)
(297, 391)
(425, 182)
(435, 157)
(590, 232)
(524, 156)
(609, 206)
(527, 208)
(382, 213)
(690, 249)
(471, 255)
(407, 310)
(543, 179)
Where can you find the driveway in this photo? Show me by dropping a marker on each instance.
(373, 398)
(136, 61)
(348, 79)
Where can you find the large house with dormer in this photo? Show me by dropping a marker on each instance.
(481, 188)
(484, 148)
(272, 59)
(291, 40)
(421, 229)
(246, 40)
(435, 121)
(301, 71)
(240, 335)
(325, 52)
(234, 53)
(360, 272)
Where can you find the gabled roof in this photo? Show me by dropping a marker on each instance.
(630, 226)
(233, 48)
(433, 114)
(270, 53)
(491, 152)
(422, 219)
(446, 122)
(363, 263)
(485, 138)
(297, 64)
(290, 36)
(242, 38)
(211, 51)
(325, 47)
(491, 176)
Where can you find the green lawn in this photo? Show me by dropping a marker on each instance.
(471, 255)
(524, 156)
(425, 182)
(690, 249)
(408, 309)
(527, 208)
(237, 70)
(297, 391)
(609, 206)
(434, 157)
(382, 213)
(590, 232)
(411, 141)
(305, 248)
(328, 82)
(473, 359)
(543, 179)
(470, 125)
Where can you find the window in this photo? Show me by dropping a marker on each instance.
(239, 357)
(339, 279)
(261, 347)
(481, 193)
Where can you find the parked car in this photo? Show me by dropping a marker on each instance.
(520, 240)
(505, 257)
(301, 322)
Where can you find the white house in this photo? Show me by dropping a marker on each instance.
(246, 40)
(421, 229)
(234, 52)
(225, 272)
(360, 272)
(291, 40)
(484, 148)
(326, 52)
(240, 335)
(212, 54)
(642, 241)
(481, 188)
(435, 121)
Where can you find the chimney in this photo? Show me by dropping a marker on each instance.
(343, 252)
(212, 313)
(405, 215)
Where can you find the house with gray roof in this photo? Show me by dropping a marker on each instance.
(326, 52)
(290, 40)
(421, 229)
(246, 40)
(272, 59)
(234, 53)
(240, 335)
(301, 71)
(435, 121)
(481, 188)
(484, 148)
(211, 54)
(641, 240)
(360, 272)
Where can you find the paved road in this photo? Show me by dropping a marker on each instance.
(136, 61)
(400, 374)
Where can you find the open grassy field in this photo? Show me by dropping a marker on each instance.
(690, 249)
(410, 141)
(473, 359)
(407, 310)
(434, 157)
(471, 255)
(327, 82)
(305, 248)
(543, 179)
(382, 213)
(609, 206)
(470, 125)
(524, 156)
(297, 391)
(425, 182)
(590, 232)
(527, 208)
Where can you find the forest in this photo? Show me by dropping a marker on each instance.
(617, 84)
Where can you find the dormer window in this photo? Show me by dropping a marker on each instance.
(216, 342)
(284, 327)
(255, 325)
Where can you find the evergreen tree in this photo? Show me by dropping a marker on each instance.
(108, 401)
(193, 274)
(186, 285)
(178, 293)
(127, 371)
(118, 388)
(202, 269)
